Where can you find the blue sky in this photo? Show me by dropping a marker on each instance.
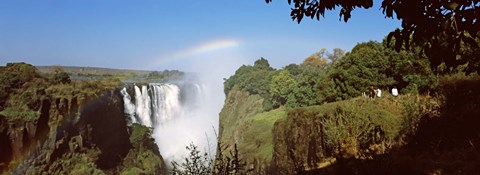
(172, 34)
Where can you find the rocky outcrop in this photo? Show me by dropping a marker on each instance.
(299, 143)
(52, 125)
(6, 152)
(238, 105)
(70, 128)
(324, 139)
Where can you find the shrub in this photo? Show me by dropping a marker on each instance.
(195, 163)
(12, 114)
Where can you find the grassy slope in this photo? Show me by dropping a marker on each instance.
(386, 111)
(258, 137)
(254, 132)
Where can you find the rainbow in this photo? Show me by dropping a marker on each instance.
(205, 47)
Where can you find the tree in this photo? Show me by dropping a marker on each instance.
(228, 164)
(440, 27)
(365, 66)
(372, 64)
(262, 63)
(253, 79)
(281, 86)
(310, 83)
(60, 77)
(293, 69)
(337, 54)
(202, 164)
(14, 76)
(155, 75)
(195, 163)
(410, 70)
(317, 60)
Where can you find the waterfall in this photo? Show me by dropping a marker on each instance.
(155, 103)
(166, 102)
(129, 106)
(179, 115)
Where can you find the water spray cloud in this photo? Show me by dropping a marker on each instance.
(197, 120)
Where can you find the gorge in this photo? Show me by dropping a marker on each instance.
(51, 124)
(105, 125)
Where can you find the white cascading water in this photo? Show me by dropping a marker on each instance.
(155, 104)
(142, 103)
(175, 124)
(166, 100)
(129, 106)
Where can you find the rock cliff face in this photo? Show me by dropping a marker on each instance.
(18, 136)
(292, 141)
(50, 124)
(92, 129)
(238, 105)
(244, 123)
(299, 143)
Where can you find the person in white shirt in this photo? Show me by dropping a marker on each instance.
(379, 92)
(394, 91)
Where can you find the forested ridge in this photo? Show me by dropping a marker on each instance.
(312, 117)
(327, 77)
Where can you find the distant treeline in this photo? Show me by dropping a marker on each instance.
(94, 73)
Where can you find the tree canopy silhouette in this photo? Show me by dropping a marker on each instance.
(444, 29)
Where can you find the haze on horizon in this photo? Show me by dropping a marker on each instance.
(158, 35)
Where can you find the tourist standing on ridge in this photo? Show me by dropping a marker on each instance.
(394, 91)
(372, 92)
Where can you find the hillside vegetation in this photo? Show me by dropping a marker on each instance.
(51, 124)
(311, 118)
(358, 128)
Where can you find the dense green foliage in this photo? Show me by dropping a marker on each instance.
(363, 67)
(444, 29)
(13, 76)
(325, 77)
(61, 77)
(371, 64)
(294, 85)
(13, 114)
(144, 158)
(282, 86)
(253, 79)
